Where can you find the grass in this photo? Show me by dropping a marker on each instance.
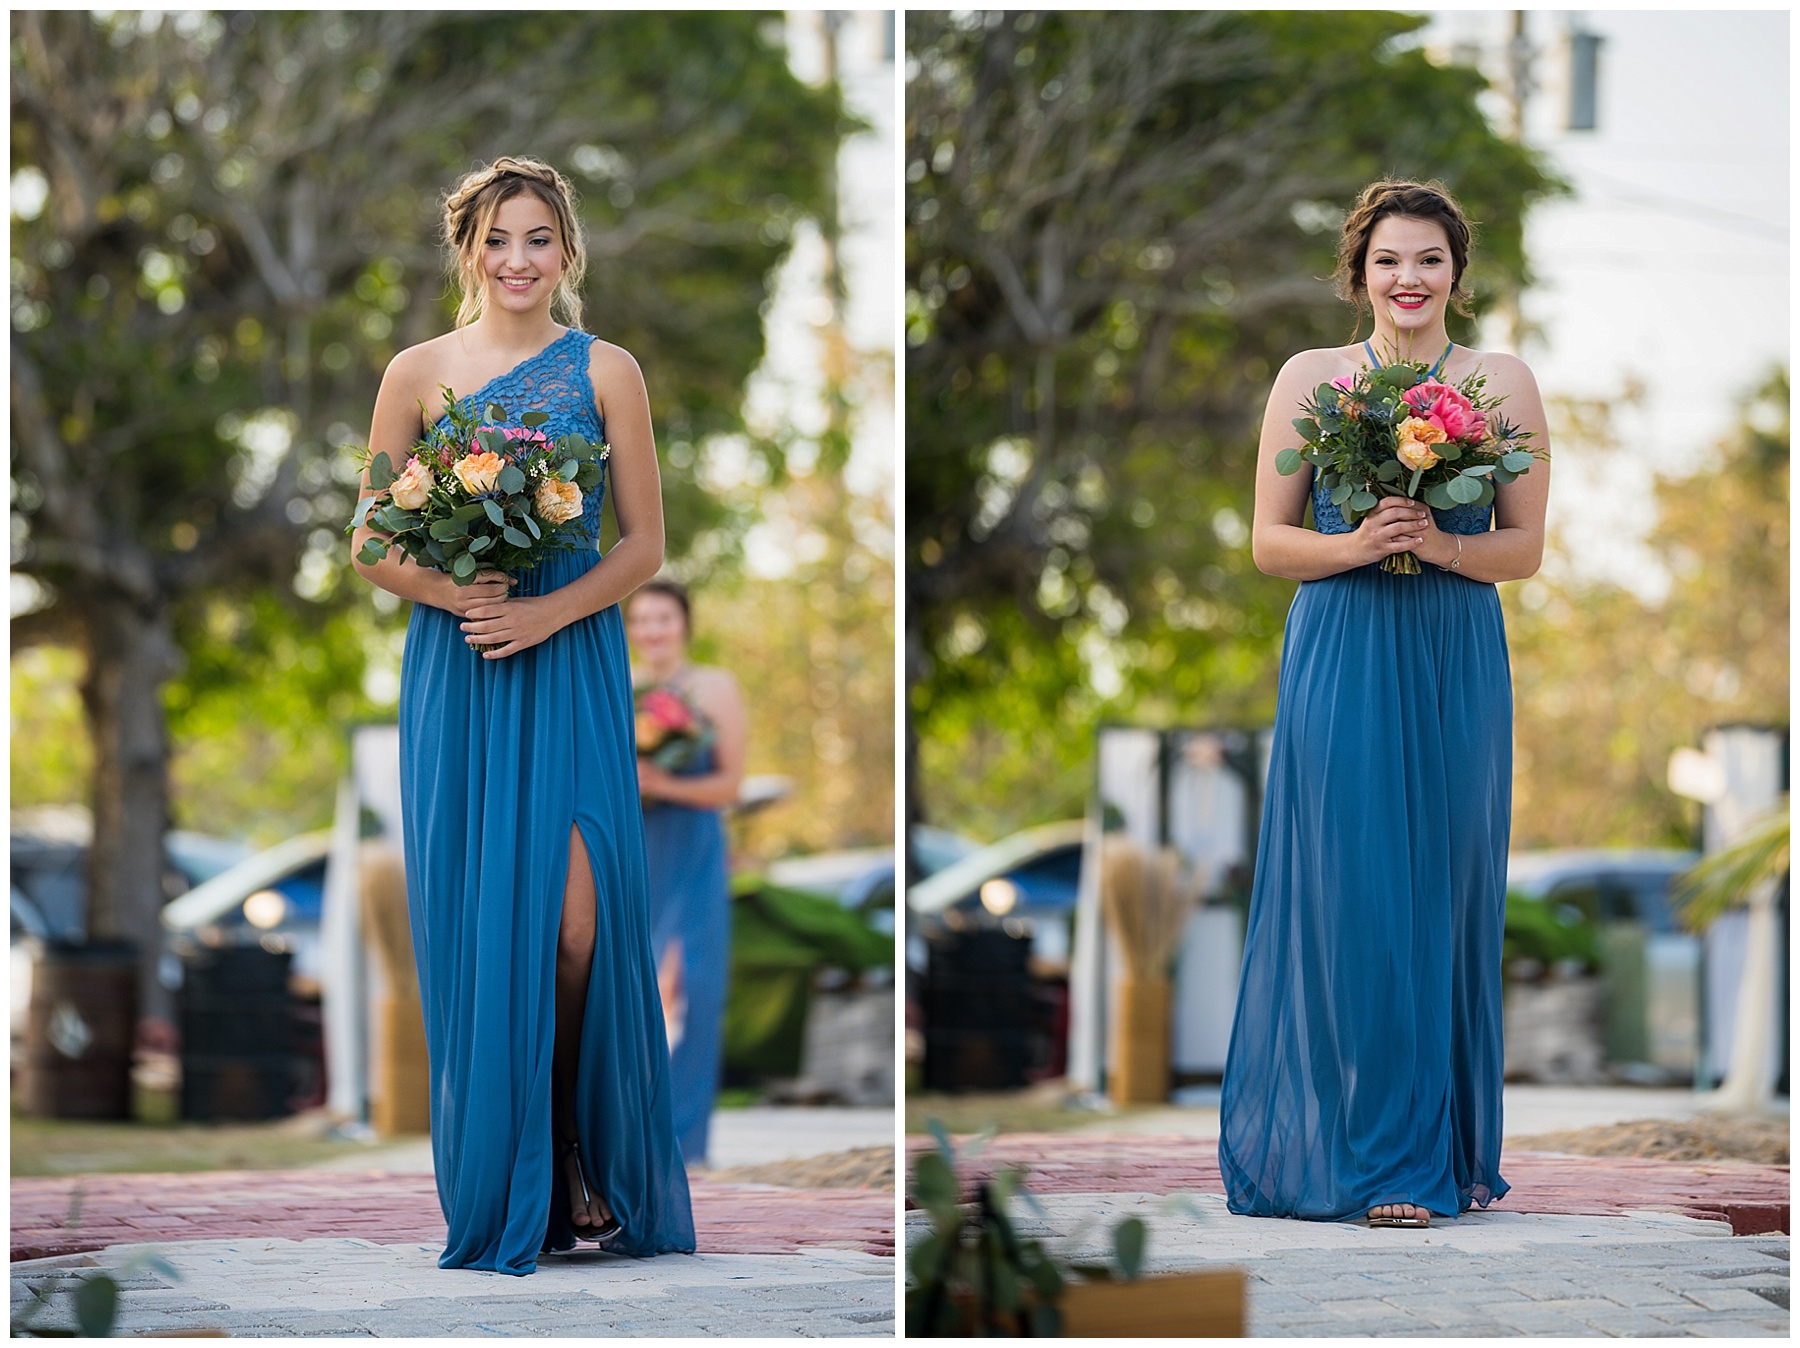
(1028, 1111)
(157, 1141)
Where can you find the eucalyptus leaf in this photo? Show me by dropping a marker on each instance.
(381, 472)
(1516, 461)
(435, 551)
(1487, 493)
(448, 529)
(517, 539)
(1463, 490)
(1362, 501)
(568, 470)
(1342, 492)
(464, 566)
(532, 420)
(493, 511)
(363, 507)
(493, 441)
(1308, 427)
(473, 510)
(1288, 461)
(481, 544)
(1389, 470)
(372, 551)
(512, 481)
(1478, 470)
(532, 525)
(1502, 476)
(97, 1305)
(495, 412)
(1128, 1246)
(1438, 496)
(589, 476)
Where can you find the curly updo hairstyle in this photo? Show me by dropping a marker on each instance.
(1415, 201)
(469, 210)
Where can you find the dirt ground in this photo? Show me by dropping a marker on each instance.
(1763, 1141)
(860, 1168)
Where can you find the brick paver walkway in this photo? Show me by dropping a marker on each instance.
(1753, 1198)
(390, 1209)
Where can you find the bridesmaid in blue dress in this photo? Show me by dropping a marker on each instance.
(684, 835)
(550, 1092)
(1364, 1072)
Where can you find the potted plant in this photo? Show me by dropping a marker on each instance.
(975, 1275)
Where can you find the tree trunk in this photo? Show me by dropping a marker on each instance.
(130, 653)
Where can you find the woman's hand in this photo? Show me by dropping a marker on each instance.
(488, 587)
(512, 625)
(1394, 524)
(652, 780)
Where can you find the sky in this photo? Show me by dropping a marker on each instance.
(1669, 264)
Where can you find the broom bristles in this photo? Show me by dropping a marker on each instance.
(1145, 897)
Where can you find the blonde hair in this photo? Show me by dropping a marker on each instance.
(469, 211)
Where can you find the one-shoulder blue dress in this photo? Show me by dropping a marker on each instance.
(498, 758)
(690, 902)
(1365, 1059)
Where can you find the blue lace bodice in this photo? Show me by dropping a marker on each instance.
(1465, 519)
(554, 382)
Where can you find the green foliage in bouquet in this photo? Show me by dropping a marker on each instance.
(481, 495)
(1394, 431)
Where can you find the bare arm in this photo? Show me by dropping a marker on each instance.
(397, 426)
(718, 695)
(1514, 548)
(516, 624)
(1280, 542)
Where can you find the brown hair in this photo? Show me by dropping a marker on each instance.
(1430, 201)
(672, 589)
(469, 211)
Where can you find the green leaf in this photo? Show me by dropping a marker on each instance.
(1389, 470)
(1330, 480)
(575, 443)
(381, 472)
(1308, 428)
(1128, 1246)
(1449, 451)
(1288, 461)
(1437, 495)
(97, 1305)
(495, 412)
(532, 420)
(532, 525)
(1487, 493)
(1516, 461)
(589, 476)
(1326, 394)
(517, 539)
(363, 507)
(372, 551)
(512, 481)
(1362, 501)
(493, 510)
(1342, 492)
(493, 441)
(445, 530)
(568, 470)
(435, 551)
(481, 544)
(463, 568)
(473, 510)
(1502, 476)
(1463, 490)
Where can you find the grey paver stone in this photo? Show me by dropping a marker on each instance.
(1727, 1299)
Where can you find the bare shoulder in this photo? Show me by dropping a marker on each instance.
(610, 364)
(712, 682)
(1505, 372)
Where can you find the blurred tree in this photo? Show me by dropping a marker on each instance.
(1606, 684)
(225, 227)
(1117, 229)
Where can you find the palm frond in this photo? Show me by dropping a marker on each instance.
(1726, 878)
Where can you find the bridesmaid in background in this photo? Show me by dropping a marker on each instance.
(691, 738)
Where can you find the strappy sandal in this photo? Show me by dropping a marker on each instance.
(1419, 1222)
(567, 1147)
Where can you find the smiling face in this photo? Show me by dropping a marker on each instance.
(1409, 273)
(521, 255)
(656, 628)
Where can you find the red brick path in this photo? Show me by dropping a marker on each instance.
(1753, 1198)
(395, 1209)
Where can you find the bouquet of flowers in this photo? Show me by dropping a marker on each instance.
(478, 494)
(671, 732)
(1396, 431)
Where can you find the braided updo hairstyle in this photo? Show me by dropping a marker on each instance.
(1415, 201)
(469, 210)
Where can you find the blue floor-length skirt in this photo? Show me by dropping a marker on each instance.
(499, 759)
(690, 901)
(1365, 1060)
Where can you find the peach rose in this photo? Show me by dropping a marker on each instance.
(477, 472)
(410, 489)
(1417, 436)
(557, 501)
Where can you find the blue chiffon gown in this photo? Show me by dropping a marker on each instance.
(1365, 1059)
(498, 760)
(690, 901)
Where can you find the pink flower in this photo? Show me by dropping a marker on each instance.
(1346, 382)
(1447, 409)
(531, 437)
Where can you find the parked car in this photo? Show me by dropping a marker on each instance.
(1606, 884)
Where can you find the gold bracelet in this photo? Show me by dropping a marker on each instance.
(1458, 561)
